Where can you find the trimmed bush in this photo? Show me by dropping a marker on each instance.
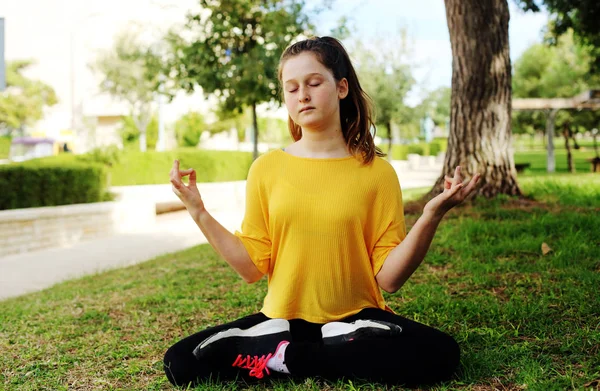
(35, 184)
(152, 168)
(139, 168)
(420, 149)
(5, 146)
(401, 151)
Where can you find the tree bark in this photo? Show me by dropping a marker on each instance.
(550, 160)
(480, 113)
(569, 155)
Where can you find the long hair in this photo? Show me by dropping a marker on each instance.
(356, 109)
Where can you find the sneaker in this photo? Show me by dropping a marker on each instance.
(339, 332)
(248, 349)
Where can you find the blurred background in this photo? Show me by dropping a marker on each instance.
(77, 54)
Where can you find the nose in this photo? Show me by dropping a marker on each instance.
(303, 96)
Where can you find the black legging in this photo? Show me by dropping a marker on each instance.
(419, 355)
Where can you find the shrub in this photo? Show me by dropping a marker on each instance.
(36, 184)
(188, 129)
(5, 146)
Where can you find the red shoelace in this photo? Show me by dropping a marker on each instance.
(255, 364)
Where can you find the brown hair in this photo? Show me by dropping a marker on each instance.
(356, 109)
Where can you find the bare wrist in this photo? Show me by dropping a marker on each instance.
(432, 217)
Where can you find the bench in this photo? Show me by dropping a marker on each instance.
(595, 162)
(520, 167)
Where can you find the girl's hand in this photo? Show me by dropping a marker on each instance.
(455, 192)
(188, 194)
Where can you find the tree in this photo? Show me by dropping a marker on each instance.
(235, 48)
(132, 73)
(188, 129)
(23, 102)
(581, 16)
(387, 77)
(437, 105)
(562, 70)
(480, 112)
(130, 133)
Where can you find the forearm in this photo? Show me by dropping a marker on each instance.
(403, 260)
(227, 245)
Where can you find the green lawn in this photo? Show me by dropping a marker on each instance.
(538, 161)
(524, 320)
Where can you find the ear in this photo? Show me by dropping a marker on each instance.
(343, 88)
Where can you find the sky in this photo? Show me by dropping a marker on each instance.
(425, 22)
(64, 36)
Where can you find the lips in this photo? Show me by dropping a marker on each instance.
(306, 108)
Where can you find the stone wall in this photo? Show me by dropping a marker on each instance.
(133, 211)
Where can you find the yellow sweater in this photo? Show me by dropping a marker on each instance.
(321, 229)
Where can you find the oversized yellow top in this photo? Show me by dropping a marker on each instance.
(321, 229)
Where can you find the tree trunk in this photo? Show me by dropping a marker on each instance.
(480, 115)
(569, 155)
(550, 160)
(254, 131)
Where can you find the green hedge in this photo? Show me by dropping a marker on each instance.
(35, 184)
(149, 168)
(401, 151)
(5, 147)
(144, 168)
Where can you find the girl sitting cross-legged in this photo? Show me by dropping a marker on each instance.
(324, 221)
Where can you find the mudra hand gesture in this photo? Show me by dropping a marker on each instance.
(188, 194)
(455, 192)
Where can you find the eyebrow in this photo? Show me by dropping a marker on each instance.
(309, 75)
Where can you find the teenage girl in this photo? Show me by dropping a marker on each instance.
(324, 221)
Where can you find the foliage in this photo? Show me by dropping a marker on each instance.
(581, 16)
(275, 130)
(235, 47)
(38, 183)
(108, 156)
(152, 167)
(23, 102)
(385, 73)
(131, 72)
(523, 320)
(188, 129)
(401, 151)
(554, 71)
(130, 133)
(5, 142)
(436, 104)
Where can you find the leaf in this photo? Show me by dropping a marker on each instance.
(545, 249)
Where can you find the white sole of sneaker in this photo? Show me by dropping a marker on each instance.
(272, 326)
(334, 329)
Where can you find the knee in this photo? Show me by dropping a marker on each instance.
(179, 367)
(450, 357)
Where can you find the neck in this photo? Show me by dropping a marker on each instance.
(323, 144)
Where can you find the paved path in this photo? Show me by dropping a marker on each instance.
(29, 272)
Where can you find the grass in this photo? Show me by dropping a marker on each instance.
(538, 161)
(524, 320)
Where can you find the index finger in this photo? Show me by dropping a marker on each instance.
(457, 177)
(175, 175)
